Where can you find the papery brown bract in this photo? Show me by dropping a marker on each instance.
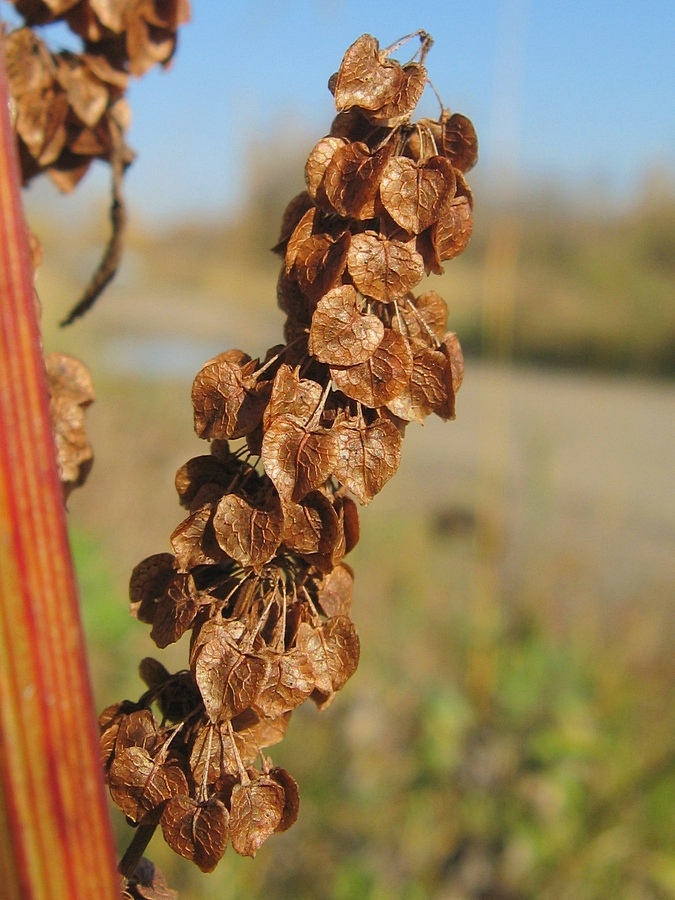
(341, 335)
(383, 269)
(198, 831)
(365, 79)
(228, 678)
(256, 811)
(247, 533)
(414, 193)
(381, 377)
(140, 784)
(297, 458)
(368, 455)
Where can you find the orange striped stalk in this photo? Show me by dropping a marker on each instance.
(55, 835)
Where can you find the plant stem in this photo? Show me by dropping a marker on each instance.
(136, 849)
(55, 835)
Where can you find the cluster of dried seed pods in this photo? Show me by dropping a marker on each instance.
(257, 573)
(70, 107)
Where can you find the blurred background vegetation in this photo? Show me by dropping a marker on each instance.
(510, 732)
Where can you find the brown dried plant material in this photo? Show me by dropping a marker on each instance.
(291, 797)
(430, 389)
(250, 534)
(139, 784)
(197, 831)
(289, 681)
(312, 529)
(335, 591)
(422, 319)
(315, 170)
(452, 231)
(397, 110)
(257, 573)
(228, 401)
(383, 269)
(365, 79)
(414, 193)
(292, 396)
(333, 650)
(380, 378)
(256, 812)
(218, 750)
(458, 142)
(132, 34)
(297, 457)
(351, 178)
(298, 206)
(341, 334)
(71, 391)
(320, 262)
(228, 678)
(450, 346)
(368, 455)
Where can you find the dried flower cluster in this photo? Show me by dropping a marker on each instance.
(257, 574)
(70, 108)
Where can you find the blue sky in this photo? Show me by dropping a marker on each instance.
(582, 94)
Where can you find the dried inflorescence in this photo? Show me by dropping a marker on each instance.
(257, 575)
(70, 108)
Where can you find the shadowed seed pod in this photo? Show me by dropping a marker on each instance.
(256, 575)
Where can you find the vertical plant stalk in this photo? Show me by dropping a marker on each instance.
(55, 835)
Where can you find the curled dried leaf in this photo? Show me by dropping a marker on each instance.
(291, 797)
(430, 389)
(459, 142)
(227, 397)
(399, 109)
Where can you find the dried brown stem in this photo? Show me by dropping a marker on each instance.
(107, 268)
